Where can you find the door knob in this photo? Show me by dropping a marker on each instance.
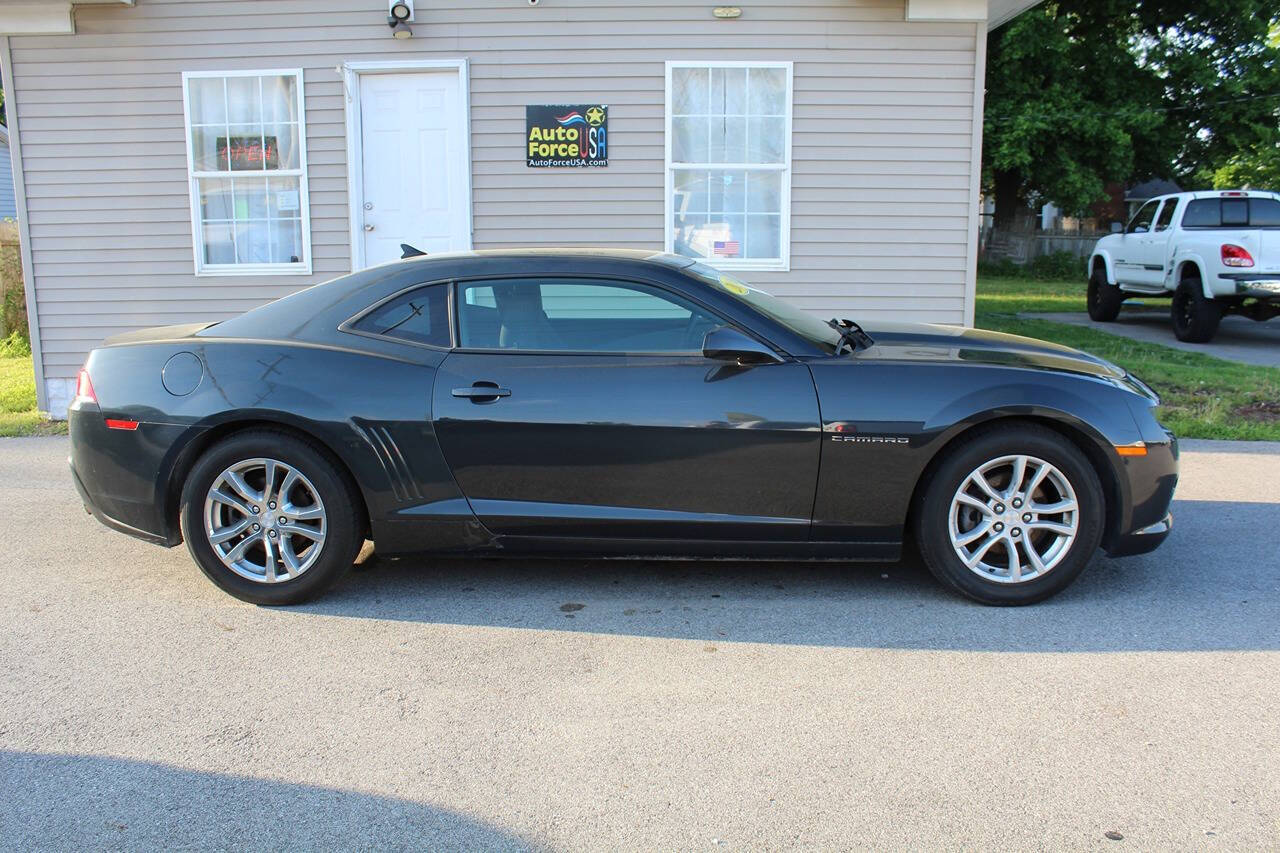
(368, 227)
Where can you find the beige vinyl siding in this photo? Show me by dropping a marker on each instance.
(882, 140)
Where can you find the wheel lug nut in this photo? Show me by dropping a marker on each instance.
(1017, 531)
(255, 510)
(999, 527)
(1026, 516)
(1017, 503)
(257, 527)
(271, 505)
(999, 507)
(272, 534)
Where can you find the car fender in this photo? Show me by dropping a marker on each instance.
(1101, 254)
(1103, 427)
(1182, 260)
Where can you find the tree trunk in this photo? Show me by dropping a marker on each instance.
(1007, 195)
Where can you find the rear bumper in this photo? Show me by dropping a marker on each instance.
(1254, 285)
(115, 523)
(120, 474)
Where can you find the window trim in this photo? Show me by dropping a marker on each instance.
(781, 264)
(349, 325)
(202, 269)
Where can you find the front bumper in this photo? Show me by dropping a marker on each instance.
(1148, 483)
(1144, 540)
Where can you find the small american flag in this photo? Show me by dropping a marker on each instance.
(726, 248)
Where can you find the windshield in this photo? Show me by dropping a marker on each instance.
(801, 322)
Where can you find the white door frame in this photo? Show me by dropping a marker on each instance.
(351, 72)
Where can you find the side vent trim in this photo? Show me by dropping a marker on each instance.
(403, 485)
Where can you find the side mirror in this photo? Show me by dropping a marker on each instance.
(1117, 227)
(726, 343)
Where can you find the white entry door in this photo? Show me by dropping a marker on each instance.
(413, 138)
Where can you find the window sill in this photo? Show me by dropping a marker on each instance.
(744, 266)
(251, 270)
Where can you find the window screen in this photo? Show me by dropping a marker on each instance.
(420, 316)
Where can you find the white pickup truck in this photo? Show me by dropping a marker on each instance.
(1214, 252)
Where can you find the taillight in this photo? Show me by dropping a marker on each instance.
(1236, 256)
(84, 388)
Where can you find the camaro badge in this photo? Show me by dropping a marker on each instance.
(873, 439)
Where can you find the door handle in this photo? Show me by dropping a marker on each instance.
(482, 392)
(368, 227)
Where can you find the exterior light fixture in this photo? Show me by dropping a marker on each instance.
(400, 13)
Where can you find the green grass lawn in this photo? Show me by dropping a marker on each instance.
(1203, 397)
(18, 415)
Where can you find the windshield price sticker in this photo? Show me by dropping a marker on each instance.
(566, 135)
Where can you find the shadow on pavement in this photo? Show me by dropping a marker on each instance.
(1214, 585)
(96, 802)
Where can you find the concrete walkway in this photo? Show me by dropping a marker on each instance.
(1238, 339)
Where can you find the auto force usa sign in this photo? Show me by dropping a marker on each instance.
(566, 135)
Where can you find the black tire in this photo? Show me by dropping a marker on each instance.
(344, 528)
(932, 514)
(1104, 299)
(1195, 317)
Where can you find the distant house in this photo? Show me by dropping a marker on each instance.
(8, 208)
(184, 161)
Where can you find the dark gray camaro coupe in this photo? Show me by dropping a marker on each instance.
(610, 403)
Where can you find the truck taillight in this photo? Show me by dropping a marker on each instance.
(84, 388)
(1236, 256)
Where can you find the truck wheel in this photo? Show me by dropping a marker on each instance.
(1195, 317)
(1104, 299)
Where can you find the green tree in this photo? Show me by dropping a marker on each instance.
(1084, 92)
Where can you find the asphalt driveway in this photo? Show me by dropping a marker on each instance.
(616, 705)
(1238, 338)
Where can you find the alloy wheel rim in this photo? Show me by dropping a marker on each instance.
(265, 520)
(1013, 519)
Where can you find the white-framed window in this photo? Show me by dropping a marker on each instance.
(247, 163)
(728, 163)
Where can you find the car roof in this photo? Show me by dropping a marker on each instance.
(1217, 194)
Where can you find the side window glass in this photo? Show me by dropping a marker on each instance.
(420, 316)
(1165, 219)
(1141, 222)
(578, 315)
(1203, 213)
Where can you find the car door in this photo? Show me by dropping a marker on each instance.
(579, 407)
(1155, 245)
(1130, 256)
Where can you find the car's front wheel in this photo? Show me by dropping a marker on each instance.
(269, 518)
(1011, 515)
(1104, 300)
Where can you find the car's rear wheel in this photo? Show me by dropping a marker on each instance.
(1195, 316)
(269, 519)
(1104, 300)
(1010, 516)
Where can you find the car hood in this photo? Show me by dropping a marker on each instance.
(921, 342)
